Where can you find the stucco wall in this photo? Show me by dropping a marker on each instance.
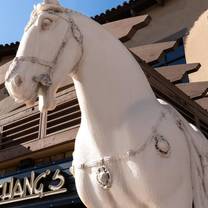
(196, 47)
(175, 16)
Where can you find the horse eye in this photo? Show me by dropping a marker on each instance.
(46, 23)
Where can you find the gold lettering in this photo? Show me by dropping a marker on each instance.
(57, 176)
(33, 187)
(6, 195)
(29, 186)
(17, 190)
(39, 190)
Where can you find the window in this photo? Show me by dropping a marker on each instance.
(174, 57)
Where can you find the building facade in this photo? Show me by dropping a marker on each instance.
(36, 149)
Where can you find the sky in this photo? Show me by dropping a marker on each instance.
(14, 14)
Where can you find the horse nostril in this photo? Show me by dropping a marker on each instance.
(17, 80)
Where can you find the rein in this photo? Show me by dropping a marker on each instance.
(72, 27)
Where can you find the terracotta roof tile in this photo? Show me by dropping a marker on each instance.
(125, 29)
(126, 10)
(8, 49)
(176, 73)
(151, 53)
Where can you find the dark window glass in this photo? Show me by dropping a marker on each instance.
(174, 57)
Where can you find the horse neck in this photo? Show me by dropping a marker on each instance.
(109, 81)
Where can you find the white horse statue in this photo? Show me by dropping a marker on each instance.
(130, 151)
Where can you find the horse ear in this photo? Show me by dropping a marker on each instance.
(56, 2)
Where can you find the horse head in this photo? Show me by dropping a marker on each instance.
(51, 48)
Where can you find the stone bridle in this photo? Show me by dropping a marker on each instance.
(50, 66)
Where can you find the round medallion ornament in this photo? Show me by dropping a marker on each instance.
(162, 145)
(104, 177)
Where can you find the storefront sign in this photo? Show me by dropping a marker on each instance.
(40, 185)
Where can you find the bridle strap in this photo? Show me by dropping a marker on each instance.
(51, 65)
(34, 60)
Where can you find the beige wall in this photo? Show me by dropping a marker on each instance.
(196, 47)
(173, 17)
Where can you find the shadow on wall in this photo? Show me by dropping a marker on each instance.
(179, 18)
(175, 16)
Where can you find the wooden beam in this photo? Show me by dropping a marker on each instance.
(152, 53)
(175, 73)
(194, 90)
(39, 155)
(203, 102)
(39, 147)
(125, 29)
